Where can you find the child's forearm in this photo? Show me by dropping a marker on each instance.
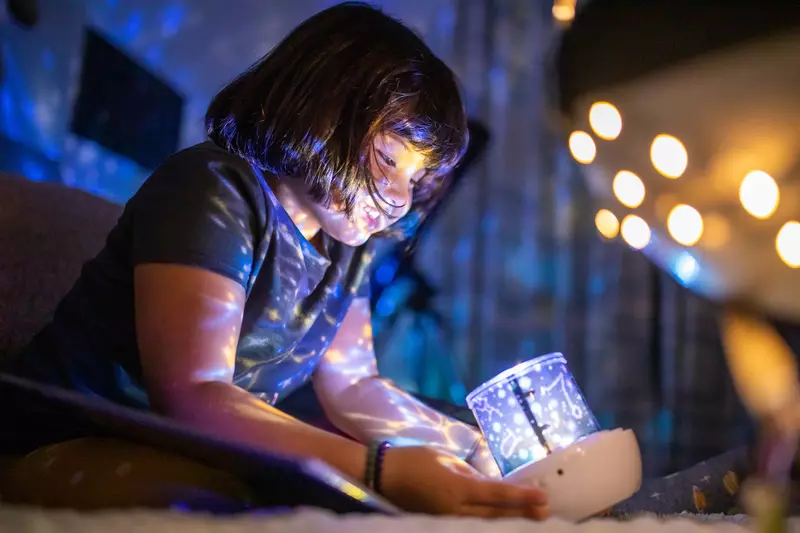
(224, 410)
(375, 409)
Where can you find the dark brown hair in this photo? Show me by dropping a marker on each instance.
(312, 107)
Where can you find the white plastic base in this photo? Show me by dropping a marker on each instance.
(589, 476)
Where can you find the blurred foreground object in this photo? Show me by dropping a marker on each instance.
(685, 115)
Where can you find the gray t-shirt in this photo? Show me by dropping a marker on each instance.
(207, 208)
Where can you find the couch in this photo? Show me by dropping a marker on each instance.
(47, 231)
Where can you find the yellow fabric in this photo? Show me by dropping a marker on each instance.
(92, 474)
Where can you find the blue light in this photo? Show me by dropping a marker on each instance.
(385, 306)
(385, 272)
(172, 20)
(686, 268)
(10, 126)
(134, 27)
(32, 170)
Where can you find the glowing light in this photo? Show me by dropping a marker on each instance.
(685, 224)
(530, 410)
(605, 120)
(564, 11)
(686, 268)
(788, 244)
(635, 232)
(607, 224)
(669, 156)
(628, 188)
(582, 147)
(759, 194)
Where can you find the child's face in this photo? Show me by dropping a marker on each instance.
(396, 167)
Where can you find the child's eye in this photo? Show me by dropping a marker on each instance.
(387, 160)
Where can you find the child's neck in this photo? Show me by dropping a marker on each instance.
(293, 203)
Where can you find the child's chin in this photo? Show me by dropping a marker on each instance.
(357, 241)
(352, 239)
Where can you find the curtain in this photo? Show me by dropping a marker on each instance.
(521, 271)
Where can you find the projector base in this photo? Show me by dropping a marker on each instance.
(587, 477)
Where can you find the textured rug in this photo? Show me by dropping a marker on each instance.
(315, 521)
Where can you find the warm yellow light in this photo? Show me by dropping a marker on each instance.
(607, 224)
(685, 224)
(563, 12)
(582, 147)
(788, 244)
(605, 120)
(759, 194)
(669, 156)
(635, 232)
(628, 188)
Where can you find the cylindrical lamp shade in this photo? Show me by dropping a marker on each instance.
(530, 410)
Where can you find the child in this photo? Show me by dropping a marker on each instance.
(240, 268)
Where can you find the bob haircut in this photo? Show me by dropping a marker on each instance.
(312, 107)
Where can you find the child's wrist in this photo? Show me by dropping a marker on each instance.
(373, 474)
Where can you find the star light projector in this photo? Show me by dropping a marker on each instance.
(540, 430)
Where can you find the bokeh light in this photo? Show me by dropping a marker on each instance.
(686, 268)
(669, 156)
(582, 147)
(635, 232)
(788, 244)
(759, 194)
(607, 224)
(564, 11)
(628, 188)
(685, 224)
(605, 120)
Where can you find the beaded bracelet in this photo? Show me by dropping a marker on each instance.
(372, 475)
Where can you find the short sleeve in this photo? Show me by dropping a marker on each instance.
(199, 209)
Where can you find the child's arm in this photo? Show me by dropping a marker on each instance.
(187, 325)
(368, 408)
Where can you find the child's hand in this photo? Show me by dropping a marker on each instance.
(426, 480)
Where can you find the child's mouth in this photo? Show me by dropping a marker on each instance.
(373, 216)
